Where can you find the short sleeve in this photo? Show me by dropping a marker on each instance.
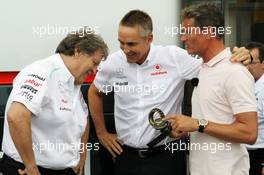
(239, 89)
(103, 77)
(29, 88)
(187, 65)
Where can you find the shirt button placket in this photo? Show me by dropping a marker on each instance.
(140, 99)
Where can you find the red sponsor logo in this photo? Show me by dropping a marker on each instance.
(157, 70)
(157, 67)
(33, 82)
(159, 73)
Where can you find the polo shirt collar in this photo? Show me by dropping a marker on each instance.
(219, 57)
(65, 73)
(150, 54)
(260, 80)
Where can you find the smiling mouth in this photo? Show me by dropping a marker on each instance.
(130, 55)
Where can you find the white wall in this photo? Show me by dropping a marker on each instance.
(20, 40)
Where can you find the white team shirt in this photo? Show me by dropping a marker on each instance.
(259, 93)
(158, 82)
(47, 89)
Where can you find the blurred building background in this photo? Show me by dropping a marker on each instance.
(246, 17)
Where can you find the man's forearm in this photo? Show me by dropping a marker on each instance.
(84, 138)
(96, 109)
(236, 132)
(20, 130)
(23, 141)
(243, 130)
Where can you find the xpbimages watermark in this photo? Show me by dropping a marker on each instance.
(124, 87)
(211, 147)
(47, 30)
(60, 146)
(181, 30)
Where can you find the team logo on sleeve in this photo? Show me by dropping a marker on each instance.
(33, 82)
(37, 76)
(26, 94)
(30, 88)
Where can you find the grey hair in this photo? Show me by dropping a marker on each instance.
(86, 42)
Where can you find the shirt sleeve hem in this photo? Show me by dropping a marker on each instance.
(245, 109)
(28, 106)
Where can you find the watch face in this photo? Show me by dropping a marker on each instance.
(203, 122)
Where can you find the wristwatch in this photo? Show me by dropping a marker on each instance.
(202, 124)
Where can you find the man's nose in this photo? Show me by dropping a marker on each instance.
(183, 38)
(126, 49)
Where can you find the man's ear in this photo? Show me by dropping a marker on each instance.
(77, 51)
(150, 37)
(262, 65)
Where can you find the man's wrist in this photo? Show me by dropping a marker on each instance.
(32, 169)
(31, 166)
(196, 124)
(101, 131)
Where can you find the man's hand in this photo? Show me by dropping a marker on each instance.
(182, 124)
(241, 55)
(177, 134)
(29, 171)
(111, 143)
(262, 171)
